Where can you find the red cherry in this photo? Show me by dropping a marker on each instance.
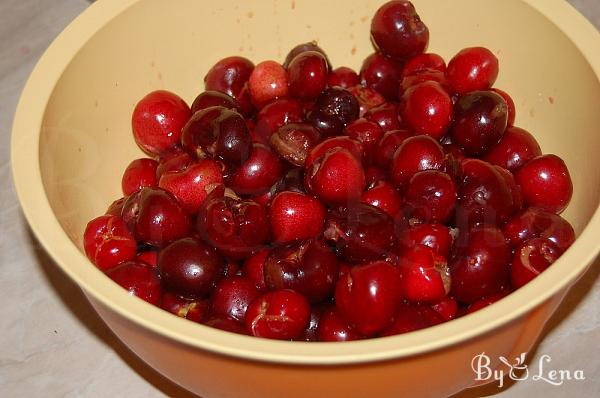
(232, 296)
(332, 327)
(531, 259)
(510, 103)
(415, 154)
(157, 121)
(427, 109)
(474, 68)
(422, 62)
(258, 173)
(230, 76)
(226, 323)
(515, 148)
(387, 145)
(302, 48)
(318, 151)
(295, 216)
(139, 279)
(538, 223)
(384, 196)
(425, 275)
(480, 264)
(382, 75)
(209, 98)
(194, 310)
(398, 32)
(386, 115)
(546, 183)
(343, 77)
(280, 314)
(447, 308)
(267, 82)
(435, 236)
(485, 302)
(307, 75)
(140, 173)
(336, 178)
(430, 197)
(366, 132)
(150, 257)
(193, 183)
(293, 141)
(367, 98)
(253, 269)
(108, 242)
(367, 297)
(275, 115)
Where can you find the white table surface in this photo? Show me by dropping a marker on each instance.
(52, 343)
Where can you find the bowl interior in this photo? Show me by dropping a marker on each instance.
(86, 139)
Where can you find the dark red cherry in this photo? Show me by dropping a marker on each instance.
(480, 118)
(367, 98)
(332, 327)
(337, 103)
(510, 103)
(253, 269)
(386, 115)
(538, 223)
(515, 148)
(480, 265)
(293, 141)
(226, 323)
(435, 236)
(194, 310)
(430, 196)
(236, 227)
(409, 318)
(155, 217)
(398, 32)
(220, 133)
(258, 173)
(275, 115)
(366, 132)
(387, 145)
(384, 196)
(447, 308)
(343, 77)
(207, 99)
(230, 76)
(308, 267)
(318, 151)
(232, 296)
(531, 259)
(304, 47)
(422, 62)
(382, 75)
(360, 232)
(423, 76)
(190, 268)
(307, 75)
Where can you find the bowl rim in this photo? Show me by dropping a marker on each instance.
(44, 224)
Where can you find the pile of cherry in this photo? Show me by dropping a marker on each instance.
(296, 201)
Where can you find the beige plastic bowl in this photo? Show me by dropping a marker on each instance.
(72, 139)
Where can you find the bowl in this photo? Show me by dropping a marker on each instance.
(72, 139)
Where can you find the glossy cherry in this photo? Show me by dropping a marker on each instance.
(480, 265)
(424, 275)
(386, 115)
(360, 232)
(382, 75)
(409, 318)
(447, 308)
(253, 269)
(236, 227)
(473, 68)
(422, 62)
(157, 121)
(190, 268)
(367, 297)
(156, 217)
(295, 216)
(230, 76)
(268, 81)
(318, 151)
(367, 133)
(332, 327)
(480, 119)
(335, 178)
(337, 103)
(280, 314)
(537, 223)
(275, 115)
(531, 259)
(367, 98)
(546, 183)
(387, 145)
(307, 75)
(194, 310)
(427, 109)
(139, 279)
(210, 98)
(435, 236)
(398, 32)
(308, 267)
(192, 184)
(107, 242)
(384, 196)
(415, 154)
(302, 48)
(232, 296)
(430, 196)
(262, 169)
(512, 113)
(515, 148)
(140, 173)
